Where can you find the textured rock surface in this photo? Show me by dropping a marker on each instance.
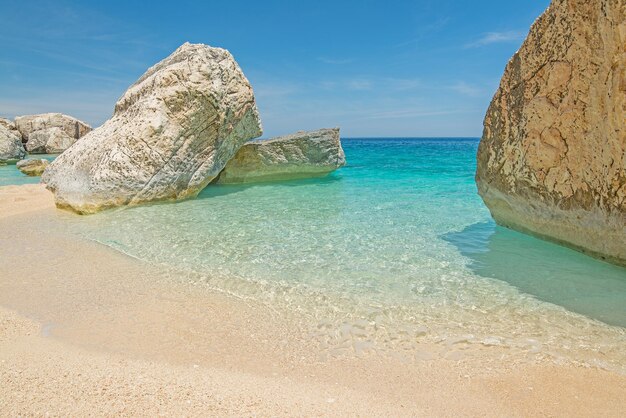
(552, 159)
(171, 133)
(51, 140)
(9, 125)
(11, 147)
(31, 123)
(303, 154)
(32, 167)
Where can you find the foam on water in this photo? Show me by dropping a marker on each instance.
(393, 251)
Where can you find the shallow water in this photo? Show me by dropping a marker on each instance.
(394, 249)
(9, 174)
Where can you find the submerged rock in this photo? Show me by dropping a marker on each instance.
(72, 127)
(172, 132)
(11, 147)
(51, 141)
(552, 159)
(32, 167)
(299, 155)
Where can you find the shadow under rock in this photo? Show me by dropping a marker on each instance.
(214, 190)
(548, 271)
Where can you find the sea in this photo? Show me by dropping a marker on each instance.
(396, 249)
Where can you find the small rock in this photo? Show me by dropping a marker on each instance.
(32, 167)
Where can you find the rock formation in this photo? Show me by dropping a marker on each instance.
(50, 141)
(172, 132)
(11, 147)
(303, 154)
(9, 125)
(73, 127)
(32, 167)
(552, 159)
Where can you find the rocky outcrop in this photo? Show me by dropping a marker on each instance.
(172, 132)
(49, 141)
(72, 127)
(552, 159)
(32, 167)
(11, 147)
(299, 155)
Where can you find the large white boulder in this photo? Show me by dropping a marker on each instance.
(172, 132)
(299, 155)
(552, 159)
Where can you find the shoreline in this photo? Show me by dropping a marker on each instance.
(107, 333)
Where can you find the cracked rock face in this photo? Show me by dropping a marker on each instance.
(11, 147)
(172, 132)
(51, 141)
(552, 159)
(299, 155)
(72, 127)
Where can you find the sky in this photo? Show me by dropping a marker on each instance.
(374, 68)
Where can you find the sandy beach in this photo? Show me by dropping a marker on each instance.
(85, 330)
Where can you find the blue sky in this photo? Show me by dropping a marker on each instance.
(374, 68)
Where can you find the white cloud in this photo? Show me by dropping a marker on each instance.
(497, 37)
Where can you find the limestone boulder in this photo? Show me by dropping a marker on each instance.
(8, 125)
(73, 127)
(49, 141)
(552, 158)
(171, 133)
(11, 147)
(299, 155)
(32, 167)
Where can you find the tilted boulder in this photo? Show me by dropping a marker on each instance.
(299, 155)
(73, 127)
(552, 159)
(172, 132)
(51, 141)
(32, 167)
(11, 147)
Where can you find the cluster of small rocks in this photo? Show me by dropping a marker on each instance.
(47, 133)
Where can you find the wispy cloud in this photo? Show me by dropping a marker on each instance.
(371, 83)
(275, 89)
(335, 61)
(425, 30)
(497, 37)
(360, 84)
(465, 89)
(409, 113)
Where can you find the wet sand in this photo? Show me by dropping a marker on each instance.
(87, 330)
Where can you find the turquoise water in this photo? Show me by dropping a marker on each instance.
(10, 175)
(393, 249)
